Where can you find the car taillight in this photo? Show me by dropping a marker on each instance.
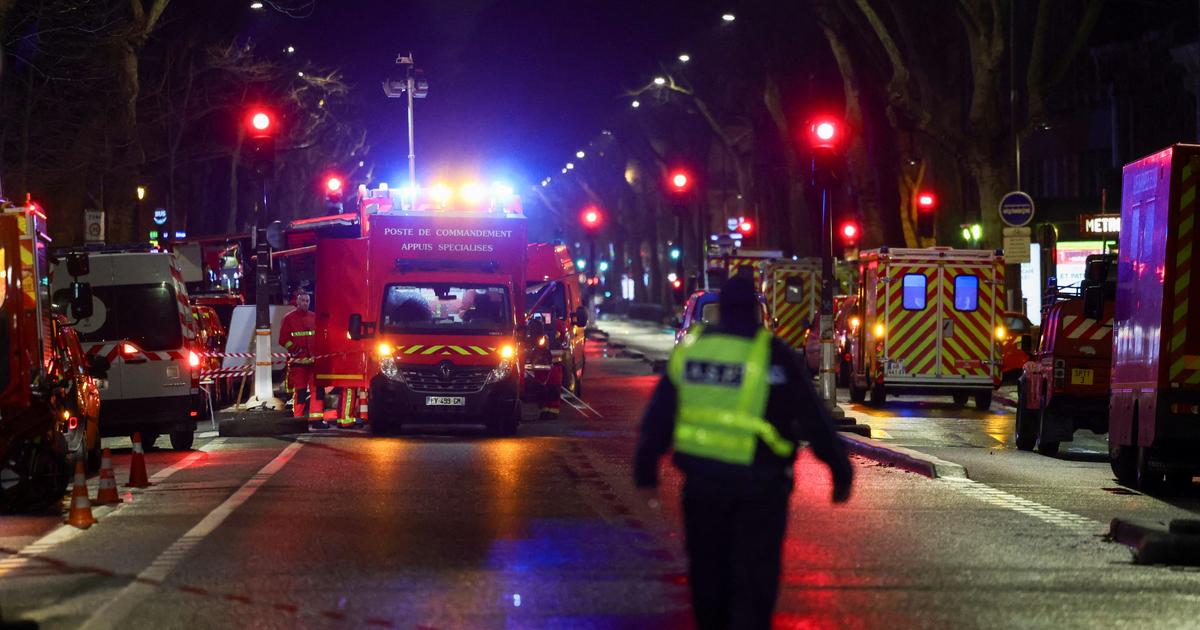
(129, 349)
(193, 359)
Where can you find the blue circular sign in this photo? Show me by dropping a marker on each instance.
(1016, 209)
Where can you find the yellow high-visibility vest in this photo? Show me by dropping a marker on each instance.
(722, 388)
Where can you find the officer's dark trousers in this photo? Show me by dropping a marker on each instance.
(734, 537)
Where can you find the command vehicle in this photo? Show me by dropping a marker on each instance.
(553, 292)
(142, 325)
(422, 302)
(929, 324)
(1064, 387)
(793, 292)
(48, 398)
(1154, 409)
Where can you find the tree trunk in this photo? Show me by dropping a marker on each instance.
(992, 180)
(235, 160)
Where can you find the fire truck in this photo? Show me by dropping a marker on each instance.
(929, 322)
(1154, 408)
(48, 397)
(1064, 387)
(421, 303)
(553, 294)
(793, 292)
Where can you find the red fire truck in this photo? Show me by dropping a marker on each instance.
(1154, 409)
(553, 294)
(49, 402)
(929, 324)
(421, 302)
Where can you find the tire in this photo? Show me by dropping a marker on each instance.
(182, 440)
(857, 394)
(1049, 449)
(983, 400)
(1026, 430)
(1123, 460)
(844, 375)
(878, 395)
(148, 440)
(93, 458)
(382, 422)
(502, 424)
(961, 398)
(1148, 480)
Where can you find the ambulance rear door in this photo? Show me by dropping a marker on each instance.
(911, 319)
(967, 307)
(792, 303)
(153, 325)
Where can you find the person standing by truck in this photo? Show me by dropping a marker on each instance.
(734, 404)
(296, 335)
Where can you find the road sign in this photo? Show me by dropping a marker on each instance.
(1100, 224)
(1016, 209)
(93, 223)
(1016, 245)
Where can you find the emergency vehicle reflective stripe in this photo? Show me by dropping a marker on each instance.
(911, 335)
(967, 340)
(713, 422)
(790, 316)
(445, 349)
(1184, 368)
(1076, 327)
(340, 377)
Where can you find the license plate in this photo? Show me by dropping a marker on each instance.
(445, 401)
(1081, 377)
(895, 368)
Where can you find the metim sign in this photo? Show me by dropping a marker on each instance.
(1100, 224)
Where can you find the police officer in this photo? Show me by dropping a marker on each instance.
(735, 403)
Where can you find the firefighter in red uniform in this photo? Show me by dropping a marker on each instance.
(550, 396)
(296, 335)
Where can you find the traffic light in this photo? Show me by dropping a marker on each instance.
(677, 289)
(972, 233)
(680, 182)
(676, 253)
(260, 128)
(824, 133)
(334, 187)
(849, 233)
(591, 219)
(745, 226)
(926, 207)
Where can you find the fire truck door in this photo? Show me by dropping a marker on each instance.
(912, 321)
(965, 314)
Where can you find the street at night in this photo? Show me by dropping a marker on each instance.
(452, 529)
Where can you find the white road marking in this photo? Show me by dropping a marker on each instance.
(578, 404)
(64, 532)
(1054, 516)
(114, 612)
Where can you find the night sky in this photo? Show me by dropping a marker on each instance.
(516, 86)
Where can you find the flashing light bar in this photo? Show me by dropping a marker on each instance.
(471, 196)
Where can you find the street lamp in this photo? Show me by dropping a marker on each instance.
(728, 17)
(659, 81)
(635, 104)
(570, 166)
(256, 5)
(685, 58)
(580, 154)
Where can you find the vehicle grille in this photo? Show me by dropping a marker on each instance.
(462, 380)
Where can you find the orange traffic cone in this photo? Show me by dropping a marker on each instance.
(81, 508)
(137, 465)
(107, 495)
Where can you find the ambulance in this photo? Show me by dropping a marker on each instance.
(142, 324)
(1154, 405)
(793, 292)
(421, 302)
(930, 323)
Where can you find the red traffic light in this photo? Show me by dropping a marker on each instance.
(746, 226)
(333, 184)
(926, 200)
(824, 133)
(591, 218)
(850, 231)
(260, 122)
(680, 181)
(677, 283)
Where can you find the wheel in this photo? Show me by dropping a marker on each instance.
(501, 424)
(878, 395)
(182, 440)
(1049, 449)
(381, 420)
(93, 458)
(1123, 460)
(1026, 433)
(148, 440)
(857, 394)
(1148, 479)
(844, 375)
(33, 475)
(983, 400)
(961, 398)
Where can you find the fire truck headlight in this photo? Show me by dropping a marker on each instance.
(507, 353)
(389, 369)
(383, 350)
(1001, 333)
(879, 331)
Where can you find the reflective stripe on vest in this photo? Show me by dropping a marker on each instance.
(722, 388)
(303, 333)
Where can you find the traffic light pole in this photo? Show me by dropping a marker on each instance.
(826, 381)
(264, 392)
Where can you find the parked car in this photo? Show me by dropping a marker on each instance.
(703, 308)
(1016, 345)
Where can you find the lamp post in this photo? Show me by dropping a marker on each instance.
(413, 86)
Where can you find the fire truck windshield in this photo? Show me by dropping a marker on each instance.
(440, 308)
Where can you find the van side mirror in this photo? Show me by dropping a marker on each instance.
(81, 300)
(78, 264)
(580, 317)
(355, 326)
(1093, 302)
(98, 366)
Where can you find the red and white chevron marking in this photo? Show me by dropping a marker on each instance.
(1076, 327)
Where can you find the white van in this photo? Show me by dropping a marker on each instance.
(142, 323)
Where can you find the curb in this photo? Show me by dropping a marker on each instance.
(262, 424)
(903, 458)
(1152, 543)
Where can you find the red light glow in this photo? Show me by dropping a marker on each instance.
(850, 231)
(679, 180)
(825, 130)
(745, 227)
(591, 217)
(677, 283)
(129, 348)
(926, 200)
(333, 184)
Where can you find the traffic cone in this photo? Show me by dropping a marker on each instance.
(137, 465)
(81, 508)
(107, 495)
